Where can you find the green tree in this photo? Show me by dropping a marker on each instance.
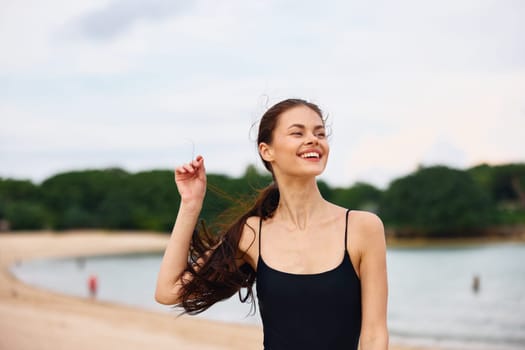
(506, 186)
(13, 190)
(503, 182)
(76, 217)
(436, 201)
(85, 190)
(26, 215)
(21, 205)
(325, 189)
(508, 183)
(360, 196)
(153, 200)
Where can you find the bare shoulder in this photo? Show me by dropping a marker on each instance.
(251, 229)
(366, 220)
(252, 223)
(248, 243)
(367, 228)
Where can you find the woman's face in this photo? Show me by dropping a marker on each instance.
(299, 146)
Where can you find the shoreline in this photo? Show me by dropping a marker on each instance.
(421, 242)
(34, 318)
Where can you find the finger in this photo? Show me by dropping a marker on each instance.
(180, 170)
(189, 168)
(197, 164)
(200, 160)
(201, 170)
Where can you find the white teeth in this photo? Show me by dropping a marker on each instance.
(310, 155)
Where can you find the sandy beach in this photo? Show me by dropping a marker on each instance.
(31, 318)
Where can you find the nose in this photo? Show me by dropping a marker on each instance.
(311, 139)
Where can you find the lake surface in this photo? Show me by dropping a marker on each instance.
(431, 299)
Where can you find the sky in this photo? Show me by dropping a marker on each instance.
(146, 85)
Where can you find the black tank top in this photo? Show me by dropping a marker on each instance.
(310, 311)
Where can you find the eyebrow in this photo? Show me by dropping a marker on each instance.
(301, 126)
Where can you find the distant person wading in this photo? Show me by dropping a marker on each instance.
(320, 268)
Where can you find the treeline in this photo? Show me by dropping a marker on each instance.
(432, 201)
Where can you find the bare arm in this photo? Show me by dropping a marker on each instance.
(374, 285)
(191, 183)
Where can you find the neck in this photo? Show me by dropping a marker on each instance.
(299, 203)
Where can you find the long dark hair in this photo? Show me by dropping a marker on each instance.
(212, 265)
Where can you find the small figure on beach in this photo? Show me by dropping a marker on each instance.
(476, 284)
(93, 286)
(320, 268)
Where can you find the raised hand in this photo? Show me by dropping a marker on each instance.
(191, 181)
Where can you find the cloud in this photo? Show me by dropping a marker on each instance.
(152, 73)
(117, 17)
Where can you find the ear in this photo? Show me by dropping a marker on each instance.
(266, 151)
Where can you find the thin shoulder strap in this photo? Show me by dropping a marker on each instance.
(260, 225)
(346, 231)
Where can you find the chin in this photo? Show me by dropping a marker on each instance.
(300, 170)
(312, 172)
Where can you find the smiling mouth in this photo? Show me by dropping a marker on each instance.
(310, 155)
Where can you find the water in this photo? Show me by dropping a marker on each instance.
(431, 300)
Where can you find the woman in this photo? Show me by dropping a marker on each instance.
(320, 269)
